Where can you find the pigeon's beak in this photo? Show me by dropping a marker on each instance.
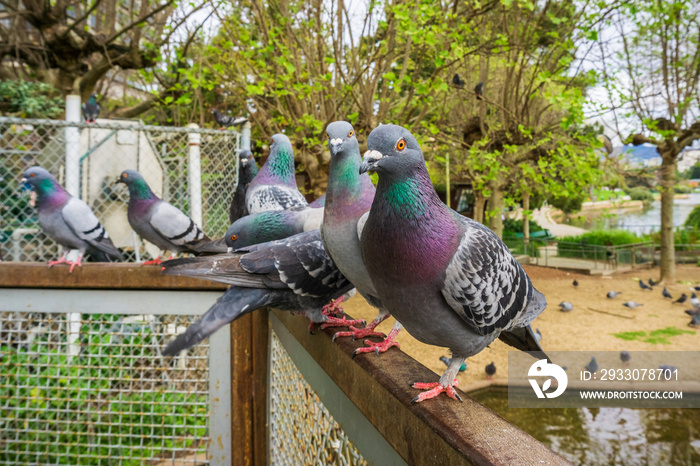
(336, 144)
(229, 250)
(23, 180)
(244, 162)
(372, 158)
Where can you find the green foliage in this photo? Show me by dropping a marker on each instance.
(682, 189)
(693, 220)
(660, 336)
(569, 203)
(640, 193)
(27, 99)
(604, 238)
(512, 226)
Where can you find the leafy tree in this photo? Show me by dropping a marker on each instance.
(652, 66)
(29, 100)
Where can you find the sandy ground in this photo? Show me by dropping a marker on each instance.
(581, 329)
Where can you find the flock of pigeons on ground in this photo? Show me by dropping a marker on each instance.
(447, 279)
(566, 306)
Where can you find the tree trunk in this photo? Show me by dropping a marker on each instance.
(668, 182)
(479, 203)
(496, 204)
(526, 218)
(318, 176)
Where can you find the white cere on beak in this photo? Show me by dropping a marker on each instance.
(336, 142)
(373, 156)
(230, 250)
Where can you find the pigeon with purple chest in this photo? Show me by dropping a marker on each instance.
(349, 197)
(247, 169)
(272, 225)
(275, 185)
(157, 221)
(449, 280)
(69, 221)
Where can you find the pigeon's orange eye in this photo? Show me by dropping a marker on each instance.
(234, 237)
(401, 145)
(272, 141)
(32, 175)
(250, 157)
(327, 136)
(351, 133)
(125, 175)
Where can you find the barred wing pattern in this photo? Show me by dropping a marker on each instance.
(484, 283)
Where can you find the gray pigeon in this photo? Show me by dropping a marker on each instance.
(157, 221)
(682, 299)
(625, 357)
(247, 169)
(224, 121)
(272, 225)
(631, 304)
(613, 294)
(69, 221)
(293, 274)
(694, 317)
(490, 370)
(91, 109)
(566, 306)
(592, 366)
(643, 285)
(275, 185)
(446, 278)
(348, 200)
(666, 294)
(694, 300)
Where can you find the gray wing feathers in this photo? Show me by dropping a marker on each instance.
(267, 197)
(485, 285)
(84, 224)
(361, 224)
(175, 226)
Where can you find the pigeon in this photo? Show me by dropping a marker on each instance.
(349, 196)
(613, 294)
(272, 225)
(449, 280)
(631, 304)
(625, 357)
(575, 283)
(566, 306)
(652, 282)
(69, 221)
(275, 186)
(157, 221)
(695, 318)
(247, 169)
(694, 300)
(479, 91)
(696, 288)
(447, 361)
(91, 109)
(592, 366)
(666, 294)
(643, 285)
(682, 299)
(668, 371)
(457, 81)
(490, 370)
(225, 121)
(293, 274)
(538, 335)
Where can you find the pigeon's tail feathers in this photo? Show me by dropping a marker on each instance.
(223, 268)
(217, 246)
(524, 339)
(105, 251)
(101, 256)
(229, 307)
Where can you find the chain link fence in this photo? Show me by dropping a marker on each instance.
(193, 169)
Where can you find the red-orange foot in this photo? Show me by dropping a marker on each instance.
(72, 264)
(376, 347)
(156, 261)
(357, 333)
(434, 389)
(336, 322)
(334, 309)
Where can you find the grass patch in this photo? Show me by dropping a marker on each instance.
(655, 337)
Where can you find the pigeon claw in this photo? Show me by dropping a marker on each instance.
(376, 347)
(337, 322)
(357, 333)
(334, 309)
(434, 389)
(155, 261)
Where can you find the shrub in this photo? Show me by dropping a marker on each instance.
(29, 100)
(682, 189)
(513, 226)
(604, 238)
(640, 194)
(693, 220)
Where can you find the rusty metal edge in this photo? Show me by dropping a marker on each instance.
(440, 431)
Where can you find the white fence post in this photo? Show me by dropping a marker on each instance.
(194, 170)
(72, 137)
(245, 136)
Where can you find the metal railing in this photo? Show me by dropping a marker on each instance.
(194, 169)
(266, 391)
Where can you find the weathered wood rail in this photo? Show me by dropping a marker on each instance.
(441, 431)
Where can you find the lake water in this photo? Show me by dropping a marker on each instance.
(602, 436)
(637, 221)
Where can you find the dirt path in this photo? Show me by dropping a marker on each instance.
(581, 329)
(544, 218)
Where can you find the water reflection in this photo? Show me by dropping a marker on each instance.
(637, 221)
(601, 436)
